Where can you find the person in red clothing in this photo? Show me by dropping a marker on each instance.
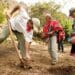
(60, 38)
(50, 30)
(72, 39)
(50, 25)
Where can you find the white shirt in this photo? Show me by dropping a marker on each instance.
(19, 23)
(28, 36)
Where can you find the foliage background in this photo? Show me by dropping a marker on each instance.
(38, 11)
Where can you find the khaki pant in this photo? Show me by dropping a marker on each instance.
(52, 47)
(21, 41)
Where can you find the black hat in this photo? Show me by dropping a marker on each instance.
(72, 10)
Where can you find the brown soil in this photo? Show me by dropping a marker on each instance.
(41, 64)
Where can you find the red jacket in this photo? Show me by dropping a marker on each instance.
(54, 24)
(60, 36)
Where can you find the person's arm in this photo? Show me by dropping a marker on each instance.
(10, 13)
(15, 9)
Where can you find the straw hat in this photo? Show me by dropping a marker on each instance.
(36, 22)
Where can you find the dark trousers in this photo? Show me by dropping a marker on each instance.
(60, 45)
(73, 49)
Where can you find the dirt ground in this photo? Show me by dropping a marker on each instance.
(41, 64)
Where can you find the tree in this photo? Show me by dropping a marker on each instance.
(39, 9)
(3, 5)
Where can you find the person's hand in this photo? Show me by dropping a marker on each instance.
(51, 33)
(43, 35)
(8, 16)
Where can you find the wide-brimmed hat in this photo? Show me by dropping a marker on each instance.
(36, 22)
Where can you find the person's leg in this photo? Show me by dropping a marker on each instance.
(21, 42)
(53, 49)
(59, 46)
(4, 33)
(73, 50)
(27, 46)
(62, 48)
